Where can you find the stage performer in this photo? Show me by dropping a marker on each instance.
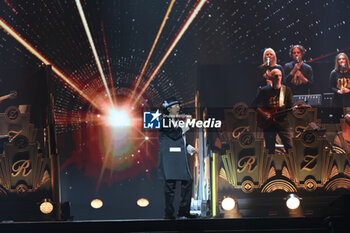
(269, 63)
(299, 74)
(173, 162)
(273, 98)
(340, 81)
(342, 139)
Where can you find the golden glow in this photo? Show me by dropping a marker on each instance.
(172, 46)
(36, 53)
(228, 204)
(142, 202)
(96, 203)
(46, 207)
(153, 46)
(92, 45)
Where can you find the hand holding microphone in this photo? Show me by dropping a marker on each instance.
(268, 61)
(342, 67)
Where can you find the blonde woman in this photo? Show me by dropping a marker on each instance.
(269, 63)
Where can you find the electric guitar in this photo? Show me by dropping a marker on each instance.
(274, 113)
(12, 95)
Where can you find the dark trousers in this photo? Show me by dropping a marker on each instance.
(186, 194)
(282, 129)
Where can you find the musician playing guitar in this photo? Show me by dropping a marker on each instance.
(271, 100)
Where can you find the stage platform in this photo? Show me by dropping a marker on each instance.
(280, 225)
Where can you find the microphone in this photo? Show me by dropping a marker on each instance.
(268, 61)
(342, 66)
(297, 58)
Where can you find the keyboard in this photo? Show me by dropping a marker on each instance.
(313, 99)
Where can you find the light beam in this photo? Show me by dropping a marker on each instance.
(93, 48)
(139, 78)
(185, 26)
(44, 60)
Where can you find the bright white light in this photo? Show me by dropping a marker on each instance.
(119, 118)
(146, 138)
(228, 204)
(142, 202)
(293, 202)
(96, 203)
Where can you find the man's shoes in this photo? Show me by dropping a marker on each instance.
(169, 217)
(187, 216)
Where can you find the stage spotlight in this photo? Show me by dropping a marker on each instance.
(142, 202)
(118, 118)
(96, 203)
(293, 201)
(228, 204)
(46, 206)
(146, 138)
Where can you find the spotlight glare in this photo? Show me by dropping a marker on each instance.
(228, 204)
(146, 138)
(119, 118)
(293, 202)
(142, 202)
(96, 203)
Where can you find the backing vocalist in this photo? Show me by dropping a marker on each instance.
(269, 63)
(299, 74)
(340, 81)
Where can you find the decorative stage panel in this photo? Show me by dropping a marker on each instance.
(27, 166)
(314, 166)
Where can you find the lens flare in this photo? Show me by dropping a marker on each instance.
(119, 118)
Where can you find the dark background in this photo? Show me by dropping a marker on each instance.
(218, 55)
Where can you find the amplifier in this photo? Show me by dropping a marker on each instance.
(313, 99)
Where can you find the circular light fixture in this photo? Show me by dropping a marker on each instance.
(142, 202)
(46, 207)
(293, 201)
(228, 204)
(96, 203)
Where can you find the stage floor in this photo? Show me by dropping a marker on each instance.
(280, 225)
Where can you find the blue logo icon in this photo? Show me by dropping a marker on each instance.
(151, 120)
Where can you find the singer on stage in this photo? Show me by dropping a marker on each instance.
(173, 163)
(340, 81)
(299, 74)
(269, 63)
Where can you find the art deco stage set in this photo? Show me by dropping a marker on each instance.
(77, 78)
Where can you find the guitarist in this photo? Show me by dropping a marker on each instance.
(270, 99)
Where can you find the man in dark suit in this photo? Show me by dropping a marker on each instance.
(172, 161)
